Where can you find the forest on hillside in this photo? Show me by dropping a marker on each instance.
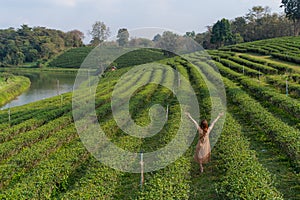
(27, 44)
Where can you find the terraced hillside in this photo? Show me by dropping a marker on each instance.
(256, 157)
(73, 58)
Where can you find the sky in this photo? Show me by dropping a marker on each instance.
(180, 16)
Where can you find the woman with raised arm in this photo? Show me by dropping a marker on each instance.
(202, 153)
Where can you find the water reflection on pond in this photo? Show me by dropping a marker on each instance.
(43, 85)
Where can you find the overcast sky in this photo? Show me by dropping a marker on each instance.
(181, 16)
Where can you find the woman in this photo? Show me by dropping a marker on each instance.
(202, 154)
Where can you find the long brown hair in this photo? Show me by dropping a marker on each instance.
(204, 127)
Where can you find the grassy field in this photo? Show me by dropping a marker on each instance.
(256, 157)
(12, 86)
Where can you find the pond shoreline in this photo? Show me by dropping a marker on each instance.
(19, 85)
(44, 84)
(31, 69)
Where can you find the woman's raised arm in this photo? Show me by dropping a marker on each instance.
(194, 121)
(213, 123)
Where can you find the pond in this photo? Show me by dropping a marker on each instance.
(43, 85)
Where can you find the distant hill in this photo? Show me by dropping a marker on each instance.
(73, 58)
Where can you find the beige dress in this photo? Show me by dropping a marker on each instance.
(202, 153)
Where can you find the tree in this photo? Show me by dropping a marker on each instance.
(48, 50)
(7, 60)
(19, 58)
(238, 25)
(32, 55)
(100, 32)
(75, 38)
(123, 37)
(25, 30)
(169, 41)
(237, 38)
(256, 18)
(156, 38)
(292, 12)
(204, 38)
(190, 34)
(140, 42)
(257, 12)
(221, 33)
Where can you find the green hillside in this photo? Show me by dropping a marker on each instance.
(284, 49)
(256, 157)
(73, 58)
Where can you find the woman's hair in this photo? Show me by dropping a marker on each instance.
(204, 127)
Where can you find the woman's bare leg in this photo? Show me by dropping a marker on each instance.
(201, 167)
